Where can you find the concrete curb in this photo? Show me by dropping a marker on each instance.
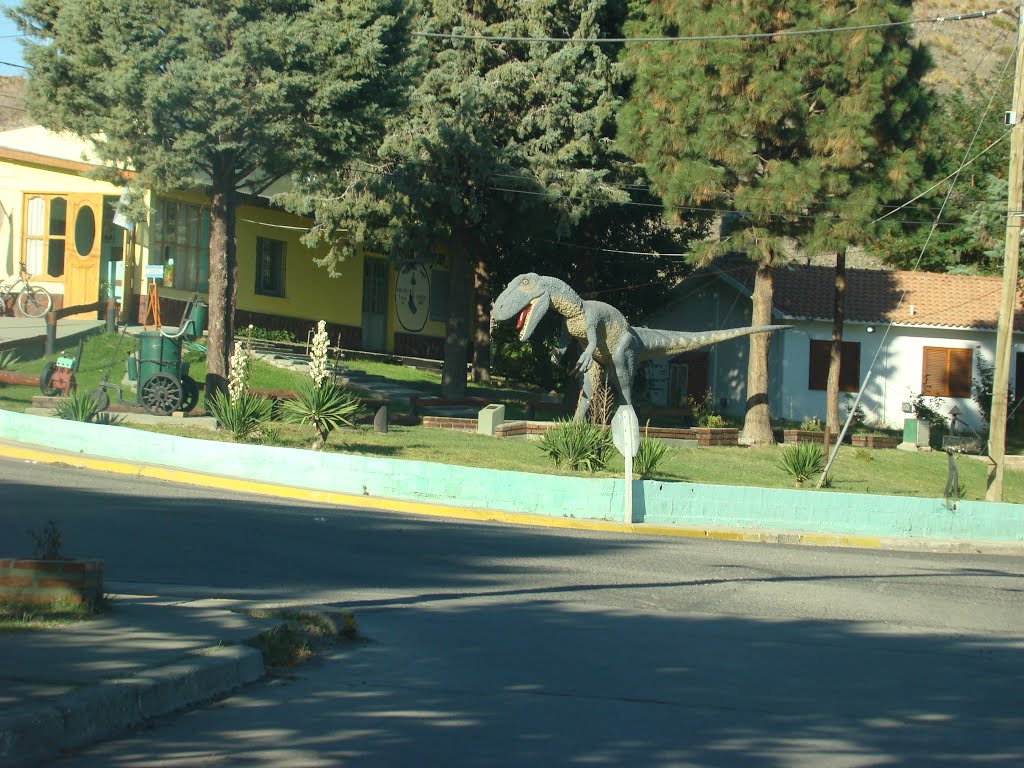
(427, 509)
(93, 713)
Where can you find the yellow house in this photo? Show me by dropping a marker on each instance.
(61, 224)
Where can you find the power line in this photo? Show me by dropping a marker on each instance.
(701, 38)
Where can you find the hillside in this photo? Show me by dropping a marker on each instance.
(12, 114)
(962, 49)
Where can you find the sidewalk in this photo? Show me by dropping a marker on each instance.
(64, 688)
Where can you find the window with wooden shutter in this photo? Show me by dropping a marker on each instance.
(946, 372)
(849, 366)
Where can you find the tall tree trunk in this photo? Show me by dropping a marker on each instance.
(456, 338)
(222, 285)
(832, 422)
(482, 331)
(757, 428)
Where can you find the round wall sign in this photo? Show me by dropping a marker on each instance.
(412, 296)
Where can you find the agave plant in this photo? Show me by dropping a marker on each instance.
(7, 359)
(325, 406)
(243, 415)
(803, 461)
(580, 445)
(649, 455)
(77, 407)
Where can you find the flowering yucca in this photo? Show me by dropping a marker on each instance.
(318, 355)
(238, 372)
(323, 407)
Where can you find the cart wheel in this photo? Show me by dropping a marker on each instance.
(102, 398)
(160, 394)
(190, 394)
(44, 380)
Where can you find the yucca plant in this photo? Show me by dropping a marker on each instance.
(77, 407)
(243, 415)
(803, 461)
(649, 455)
(7, 359)
(325, 407)
(320, 403)
(579, 445)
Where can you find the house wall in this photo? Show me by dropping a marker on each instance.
(310, 293)
(709, 304)
(897, 373)
(16, 179)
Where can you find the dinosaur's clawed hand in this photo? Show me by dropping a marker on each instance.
(585, 361)
(557, 354)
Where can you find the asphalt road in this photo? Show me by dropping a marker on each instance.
(496, 645)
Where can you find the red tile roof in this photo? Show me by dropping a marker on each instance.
(879, 296)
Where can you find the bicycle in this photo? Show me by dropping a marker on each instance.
(32, 300)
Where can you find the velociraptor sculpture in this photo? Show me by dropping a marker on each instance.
(610, 341)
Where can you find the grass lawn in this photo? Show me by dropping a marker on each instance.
(856, 470)
(15, 617)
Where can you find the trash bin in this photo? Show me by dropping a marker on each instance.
(158, 354)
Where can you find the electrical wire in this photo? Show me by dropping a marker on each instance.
(703, 38)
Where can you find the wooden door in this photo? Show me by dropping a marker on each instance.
(375, 304)
(82, 252)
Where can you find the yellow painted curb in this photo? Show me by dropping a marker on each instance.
(237, 485)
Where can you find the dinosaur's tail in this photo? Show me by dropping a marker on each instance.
(665, 343)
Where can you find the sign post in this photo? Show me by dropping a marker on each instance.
(625, 434)
(152, 273)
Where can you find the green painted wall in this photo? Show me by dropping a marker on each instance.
(684, 504)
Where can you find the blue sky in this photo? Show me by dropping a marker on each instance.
(10, 49)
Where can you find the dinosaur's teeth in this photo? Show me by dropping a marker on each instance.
(525, 313)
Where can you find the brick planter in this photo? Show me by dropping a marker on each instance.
(790, 436)
(42, 582)
(874, 441)
(709, 436)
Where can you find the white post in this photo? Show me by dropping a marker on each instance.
(629, 477)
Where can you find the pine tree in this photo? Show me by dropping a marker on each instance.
(800, 137)
(227, 95)
(502, 139)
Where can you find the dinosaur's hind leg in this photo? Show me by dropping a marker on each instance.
(591, 380)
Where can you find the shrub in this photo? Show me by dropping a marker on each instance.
(812, 424)
(579, 445)
(803, 461)
(243, 415)
(48, 542)
(704, 414)
(265, 334)
(7, 359)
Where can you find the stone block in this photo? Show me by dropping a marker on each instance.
(490, 418)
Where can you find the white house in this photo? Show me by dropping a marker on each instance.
(905, 333)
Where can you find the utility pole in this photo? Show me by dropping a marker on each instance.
(1008, 299)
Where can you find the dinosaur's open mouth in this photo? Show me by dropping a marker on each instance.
(524, 315)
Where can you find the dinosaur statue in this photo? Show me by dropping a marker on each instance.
(610, 341)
